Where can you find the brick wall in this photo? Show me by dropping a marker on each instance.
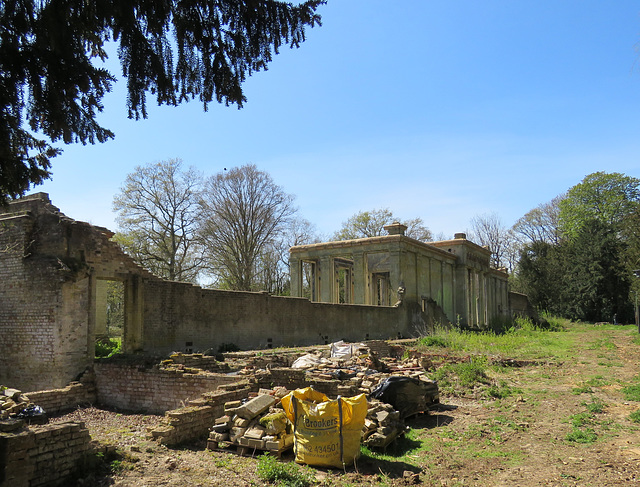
(47, 455)
(55, 401)
(193, 421)
(143, 387)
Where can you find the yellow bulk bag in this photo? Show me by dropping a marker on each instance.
(326, 433)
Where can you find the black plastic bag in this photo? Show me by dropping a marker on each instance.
(407, 395)
(33, 415)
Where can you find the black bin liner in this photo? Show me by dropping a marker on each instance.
(407, 395)
(33, 414)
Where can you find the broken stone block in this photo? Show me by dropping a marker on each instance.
(255, 432)
(235, 433)
(223, 420)
(218, 437)
(219, 428)
(256, 406)
(12, 393)
(274, 423)
(232, 405)
(241, 422)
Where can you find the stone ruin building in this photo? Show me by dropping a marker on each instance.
(54, 271)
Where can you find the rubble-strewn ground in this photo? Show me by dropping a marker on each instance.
(557, 417)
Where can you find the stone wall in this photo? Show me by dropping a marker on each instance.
(47, 455)
(520, 305)
(51, 267)
(146, 388)
(181, 317)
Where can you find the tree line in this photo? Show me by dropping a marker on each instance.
(574, 256)
(232, 230)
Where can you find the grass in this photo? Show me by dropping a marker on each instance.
(531, 341)
(632, 392)
(273, 471)
(577, 435)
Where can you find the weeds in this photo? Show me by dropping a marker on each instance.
(107, 347)
(462, 377)
(271, 470)
(635, 416)
(577, 435)
(632, 392)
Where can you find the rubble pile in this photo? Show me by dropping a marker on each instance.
(382, 425)
(15, 405)
(12, 401)
(194, 363)
(258, 424)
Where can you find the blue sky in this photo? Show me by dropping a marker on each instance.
(438, 109)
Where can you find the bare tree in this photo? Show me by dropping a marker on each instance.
(158, 217)
(244, 212)
(488, 230)
(540, 224)
(365, 224)
(273, 263)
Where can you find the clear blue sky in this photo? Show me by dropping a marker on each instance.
(439, 109)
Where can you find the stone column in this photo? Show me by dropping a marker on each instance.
(100, 307)
(295, 276)
(360, 278)
(325, 284)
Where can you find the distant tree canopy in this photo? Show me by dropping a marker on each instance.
(604, 197)
(366, 224)
(244, 214)
(578, 251)
(51, 79)
(159, 215)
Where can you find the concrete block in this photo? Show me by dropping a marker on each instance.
(256, 406)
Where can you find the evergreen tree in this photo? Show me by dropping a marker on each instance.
(52, 81)
(596, 283)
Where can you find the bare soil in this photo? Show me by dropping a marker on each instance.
(472, 439)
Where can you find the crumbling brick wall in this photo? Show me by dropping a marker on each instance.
(55, 401)
(142, 387)
(49, 268)
(193, 421)
(47, 455)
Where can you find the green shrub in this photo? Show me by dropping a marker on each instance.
(273, 471)
(107, 347)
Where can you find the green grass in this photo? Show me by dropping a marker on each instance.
(273, 471)
(635, 416)
(530, 341)
(577, 435)
(462, 377)
(632, 393)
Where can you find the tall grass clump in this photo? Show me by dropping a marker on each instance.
(273, 471)
(462, 377)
